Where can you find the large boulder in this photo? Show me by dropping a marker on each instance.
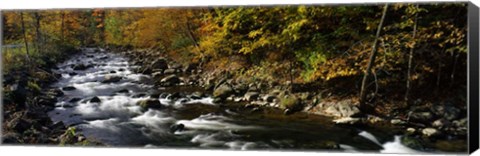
(150, 103)
(170, 80)
(343, 108)
(160, 63)
(431, 132)
(223, 91)
(412, 142)
(95, 100)
(290, 103)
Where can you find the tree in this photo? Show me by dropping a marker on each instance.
(410, 56)
(25, 37)
(371, 60)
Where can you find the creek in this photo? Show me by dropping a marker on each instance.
(190, 121)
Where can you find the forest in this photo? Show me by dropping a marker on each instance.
(392, 61)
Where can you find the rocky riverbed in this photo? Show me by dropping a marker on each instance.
(139, 98)
(431, 125)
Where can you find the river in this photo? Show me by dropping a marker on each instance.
(118, 121)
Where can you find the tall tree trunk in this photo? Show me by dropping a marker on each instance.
(410, 58)
(373, 54)
(25, 38)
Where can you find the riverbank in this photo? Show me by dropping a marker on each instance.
(28, 97)
(424, 129)
(105, 100)
(427, 125)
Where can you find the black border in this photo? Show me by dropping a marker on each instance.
(473, 65)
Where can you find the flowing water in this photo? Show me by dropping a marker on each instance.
(118, 121)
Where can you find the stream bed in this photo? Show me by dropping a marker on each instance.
(189, 121)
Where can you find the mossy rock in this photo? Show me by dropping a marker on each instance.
(290, 102)
(223, 91)
(150, 103)
(412, 142)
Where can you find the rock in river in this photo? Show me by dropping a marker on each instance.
(81, 67)
(68, 88)
(223, 91)
(150, 103)
(95, 100)
(177, 127)
(111, 79)
(170, 80)
(75, 99)
(412, 142)
(123, 91)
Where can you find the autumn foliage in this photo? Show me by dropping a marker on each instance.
(306, 44)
